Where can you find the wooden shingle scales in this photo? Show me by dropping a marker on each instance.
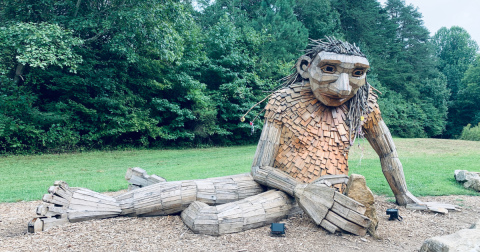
(314, 139)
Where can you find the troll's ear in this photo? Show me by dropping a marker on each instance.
(303, 63)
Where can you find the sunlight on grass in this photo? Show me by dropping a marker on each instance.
(428, 166)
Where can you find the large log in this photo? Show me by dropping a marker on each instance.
(251, 212)
(174, 197)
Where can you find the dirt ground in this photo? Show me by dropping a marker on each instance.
(168, 233)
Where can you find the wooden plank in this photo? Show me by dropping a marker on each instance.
(94, 196)
(53, 222)
(350, 203)
(442, 205)
(57, 190)
(438, 209)
(330, 227)
(77, 204)
(35, 225)
(416, 207)
(319, 194)
(316, 211)
(57, 200)
(345, 224)
(332, 179)
(351, 215)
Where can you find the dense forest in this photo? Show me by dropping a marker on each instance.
(95, 74)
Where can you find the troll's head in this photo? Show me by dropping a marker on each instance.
(336, 70)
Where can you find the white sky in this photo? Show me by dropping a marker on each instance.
(448, 13)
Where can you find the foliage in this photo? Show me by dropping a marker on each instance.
(94, 74)
(285, 33)
(37, 45)
(318, 17)
(403, 64)
(471, 133)
(423, 119)
(131, 87)
(467, 106)
(456, 52)
(231, 76)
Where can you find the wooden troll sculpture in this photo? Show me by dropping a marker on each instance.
(309, 127)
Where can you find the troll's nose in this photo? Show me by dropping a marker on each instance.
(342, 85)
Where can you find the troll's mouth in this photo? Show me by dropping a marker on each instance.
(333, 97)
(332, 100)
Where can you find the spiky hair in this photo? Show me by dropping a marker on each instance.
(332, 45)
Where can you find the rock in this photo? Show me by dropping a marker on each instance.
(460, 175)
(464, 175)
(473, 183)
(358, 190)
(465, 240)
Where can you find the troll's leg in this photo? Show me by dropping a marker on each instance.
(66, 204)
(252, 212)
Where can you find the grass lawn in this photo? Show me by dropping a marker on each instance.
(428, 166)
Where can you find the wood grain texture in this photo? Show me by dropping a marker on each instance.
(350, 203)
(87, 205)
(137, 178)
(380, 138)
(173, 197)
(251, 212)
(160, 198)
(346, 225)
(351, 215)
(274, 178)
(330, 227)
(316, 199)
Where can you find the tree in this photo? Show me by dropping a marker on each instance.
(467, 106)
(36, 45)
(285, 35)
(318, 17)
(411, 56)
(365, 23)
(456, 52)
(231, 76)
(131, 87)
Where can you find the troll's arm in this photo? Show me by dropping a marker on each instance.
(379, 137)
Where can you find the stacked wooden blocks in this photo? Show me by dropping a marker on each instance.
(252, 212)
(65, 204)
(138, 178)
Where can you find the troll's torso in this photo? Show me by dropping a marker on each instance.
(315, 139)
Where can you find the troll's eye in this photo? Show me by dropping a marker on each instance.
(358, 72)
(329, 69)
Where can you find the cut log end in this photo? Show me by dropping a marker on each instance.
(138, 178)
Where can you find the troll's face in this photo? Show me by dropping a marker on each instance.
(334, 78)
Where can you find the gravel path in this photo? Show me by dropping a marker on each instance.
(168, 233)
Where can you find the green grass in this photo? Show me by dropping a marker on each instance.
(428, 166)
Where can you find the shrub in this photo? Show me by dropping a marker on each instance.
(471, 133)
